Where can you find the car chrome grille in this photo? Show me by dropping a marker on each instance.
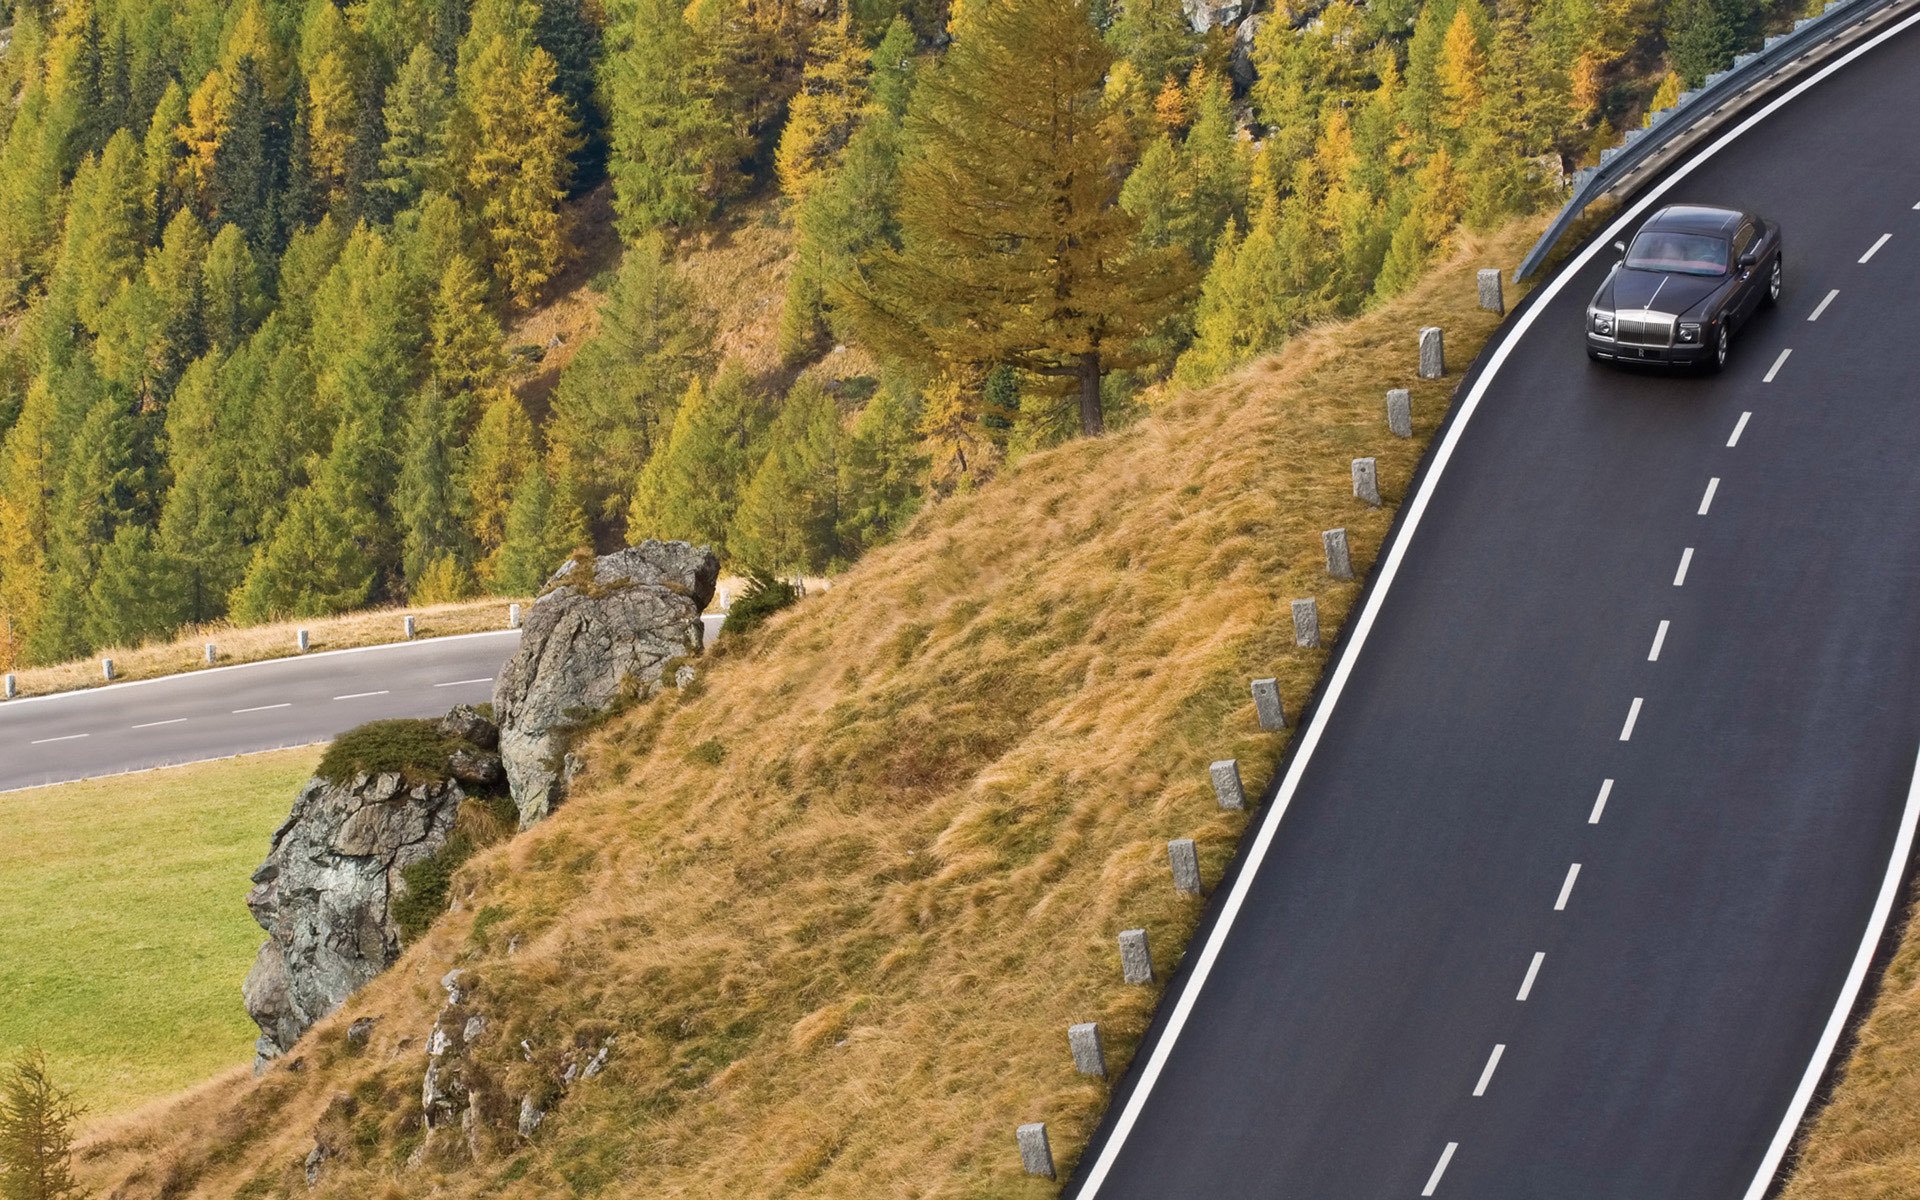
(1637, 327)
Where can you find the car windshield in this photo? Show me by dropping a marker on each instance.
(1681, 253)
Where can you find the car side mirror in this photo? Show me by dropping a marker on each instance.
(1749, 260)
(1620, 246)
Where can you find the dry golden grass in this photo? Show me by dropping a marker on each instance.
(253, 643)
(838, 902)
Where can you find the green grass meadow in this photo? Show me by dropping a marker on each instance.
(124, 932)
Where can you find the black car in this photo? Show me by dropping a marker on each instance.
(1691, 277)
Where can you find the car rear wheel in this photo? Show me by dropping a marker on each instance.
(1722, 342)
(1774, 280)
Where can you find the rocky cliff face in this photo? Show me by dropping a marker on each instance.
(604, 630)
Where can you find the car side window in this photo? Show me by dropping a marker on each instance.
(1743, 241)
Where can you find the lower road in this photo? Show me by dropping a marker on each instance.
(1574, 879)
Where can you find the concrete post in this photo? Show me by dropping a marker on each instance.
(407, 624)
(1136, 964)
(1089, 1057)
(1036, 1157)
(1306, 623)
(1226, 783)
(1184, 857)
(1267, 706)
(725, 601)
(513, 616)
(106, 669)
(301, 640)
(1433, 353)
(212, 653)
(1400, 412)
(1490, 296)
(1366, 481)
(12, 688)
(1339, 556)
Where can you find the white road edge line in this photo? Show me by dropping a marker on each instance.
(1680, 576)
(1486, 1075)
(1389, 567)
(1439, 1168)
(1533, 973)
(1633, 717)
(1777, 364)
(1706, 501)
(262, 708)
(1659, 640)
(464, 682)
(1566, 889)
(1600, 805)
(1875, 249)
(1739, 427)
(157, 724)
(71, 737)
(363, 695)
(1822, 306)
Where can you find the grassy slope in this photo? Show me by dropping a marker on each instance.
(840, 903)
(123, 936)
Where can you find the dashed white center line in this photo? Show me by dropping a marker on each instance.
(262, 708)
(1533, 972)
(1566, 889)
(1633, 715)
(1706, 501)
(1739, 427)
(157, 724)
(359, 695)
(464, 682)
(1659, 639)
(1486, 1075)
(1777, 364)
(1600, 804)
(1875, 248)
(1439, 1168)
(71, 737)
(1822, 307)
(1686, 557)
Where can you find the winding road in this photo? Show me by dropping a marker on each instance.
(1572, 882)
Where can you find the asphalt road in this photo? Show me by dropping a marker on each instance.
(240, 709)
(1569, 882)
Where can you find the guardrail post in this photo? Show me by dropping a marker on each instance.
(1089, 1056)
(211, 653)
(1183, 857)
(1433, 353)
(1306, 623)
(513, 616)
(407, 624)
(1400, 412)
(301, 640)
(1267, 706)
(12, 689)
(1226, 784)
(1036, 1157)
(1136, 963)
(106, 669)
(1339, 556)
(1491, 298)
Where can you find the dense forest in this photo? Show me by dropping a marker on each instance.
(257, 260)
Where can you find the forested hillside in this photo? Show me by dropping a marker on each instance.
(256, 260)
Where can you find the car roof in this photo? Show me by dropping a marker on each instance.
(1695, 218)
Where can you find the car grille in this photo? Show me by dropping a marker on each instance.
(1640, 328)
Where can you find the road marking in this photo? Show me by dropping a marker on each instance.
(1822, 307)
(262, 708)
(1533, 972)
(464, 682)
(1739, 428)
(1439, 1168)
(1777, 364)
(1706, 501)
(1486, 1075)
(1633, 714)
(1659, 639)
(157, 724)
(69, 738)
(1686, 557)
(1600, 805)
(1566, 889)
(1875, 248)
(359, 695)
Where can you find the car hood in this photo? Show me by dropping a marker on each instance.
(1660, 291)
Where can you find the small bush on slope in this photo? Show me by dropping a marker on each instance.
(839, 953)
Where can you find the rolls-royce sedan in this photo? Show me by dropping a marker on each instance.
(1690, 279)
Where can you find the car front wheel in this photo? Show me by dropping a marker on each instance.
(1774, 279)
(1722, 342)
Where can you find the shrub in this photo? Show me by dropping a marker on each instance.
(417, 749)
(764, 596)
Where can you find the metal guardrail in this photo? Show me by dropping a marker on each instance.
(1641, 146)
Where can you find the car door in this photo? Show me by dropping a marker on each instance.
(1747, 282)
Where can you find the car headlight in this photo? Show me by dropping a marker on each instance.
(1690, 334)
(1602, 322)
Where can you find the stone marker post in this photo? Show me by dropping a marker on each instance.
(1267, 706)
(1339, 556)
(724, 602)
(1136, 963)
(408, 626)
(1089, 1057)
(1366, 481)
(513, 616)
(1226, 783)
(212, 653)
(1184, 857)
(301, 640)
(106, 669)
(1400, 412)
(12, 689)
(1433, 353)
(1490, 297)
(1306, 623)
(1036, 1157)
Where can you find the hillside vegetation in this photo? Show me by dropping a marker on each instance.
(833, 908)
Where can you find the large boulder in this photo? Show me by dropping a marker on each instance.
(1203, 15)
(604, 629)
(325, 895)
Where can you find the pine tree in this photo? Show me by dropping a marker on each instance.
(174, 276)
(1154, 36)
(500, 456)
(791, 510)
(1463, 65)
(822, 117)
(515, 143)
(329, 63)
(137, 595)
(1421, 98)
(566, 31)
(318, 560)
(882, 471)
(243, 173)
(692, 486)
(106, 230)
(1700, 38)
(463, 337)
(209, 110)
(1433, 207)
(670, 140)
(235, 298)
(207, 519)
(542, 529)
(429, 504)
(36, 1133)
(168, 175)
(418, 116)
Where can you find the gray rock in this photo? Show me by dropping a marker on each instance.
(466, 723)
(476, 767)
(360, 1033)
(600, 632)
(324, 896)
(1240, 59)
(316, 1158)
(1203, 15)
(531, 1115)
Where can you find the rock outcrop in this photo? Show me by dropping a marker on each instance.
(1203, 15)
(605, 629)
